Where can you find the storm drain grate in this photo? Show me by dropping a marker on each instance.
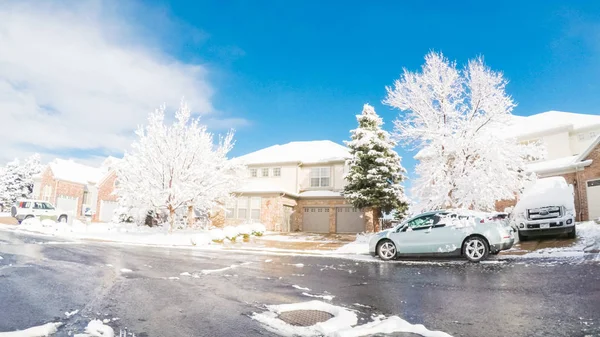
(304, 317)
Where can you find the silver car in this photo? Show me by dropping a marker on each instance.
(443, 233)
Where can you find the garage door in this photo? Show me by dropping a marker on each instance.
(593, 197)
(349, 220)
(107, 210)
(67, 204)
(315, 220)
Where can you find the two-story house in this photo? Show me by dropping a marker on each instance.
(296, 187)
(573, 151)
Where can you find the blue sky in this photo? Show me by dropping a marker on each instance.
(301, 70)
(277, 71)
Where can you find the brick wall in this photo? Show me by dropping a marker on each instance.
(105, 192)
(61, 187)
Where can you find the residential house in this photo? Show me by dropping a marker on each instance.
(80, 190)
(296, 187)
(572, 142)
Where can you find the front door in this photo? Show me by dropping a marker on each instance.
(287, 218)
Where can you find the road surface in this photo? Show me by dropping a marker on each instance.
(41, 278)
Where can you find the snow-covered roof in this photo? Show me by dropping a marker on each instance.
(262, 186)
(307, 152)
(320, 194)
(524, 126)
(554, 164)
(78, 173)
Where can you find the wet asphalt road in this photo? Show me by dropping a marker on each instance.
(41, 278)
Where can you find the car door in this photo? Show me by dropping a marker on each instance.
(38, 210)
(413, 238)
(50, 211)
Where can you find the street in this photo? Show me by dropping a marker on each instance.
(141, 290)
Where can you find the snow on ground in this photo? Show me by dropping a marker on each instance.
(300, 288)
(359, 246)
(37, 331)
(125, 270)
(5, 215)
(132, 233)
(325, 297)
(69, 314)
(212, 271)
(342, 324)
(96, 328)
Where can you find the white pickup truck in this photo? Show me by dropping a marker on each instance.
(25, 209)
(546, 208)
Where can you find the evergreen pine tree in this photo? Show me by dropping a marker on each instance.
(375, 170)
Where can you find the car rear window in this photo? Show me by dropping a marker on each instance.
(24, 204)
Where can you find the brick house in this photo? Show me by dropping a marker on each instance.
(296, 187)
(572, 143)
(78, 189)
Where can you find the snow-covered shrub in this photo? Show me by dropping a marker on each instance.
(33, 222)
(201, 239)
(216, 235)
(244, 230)
(48, 223)
(231, 233)
(258, 229)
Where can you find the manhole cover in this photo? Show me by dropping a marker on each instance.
(304, 317)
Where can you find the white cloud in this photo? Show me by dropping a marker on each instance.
(73, 78)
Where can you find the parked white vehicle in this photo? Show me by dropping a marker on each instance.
(445, 233)
(546, 208)
(25, 209)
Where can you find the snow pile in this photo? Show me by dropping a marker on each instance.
(133, 233)
(553, 191)
(342, 319)
(96, 328)
(342, 324)
(37, 331)
(387, 326)
(358, 246)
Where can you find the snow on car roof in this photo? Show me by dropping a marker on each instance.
(318, 151)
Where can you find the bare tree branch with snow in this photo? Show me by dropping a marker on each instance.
(16, 179)
(173, 167)
(455, 118)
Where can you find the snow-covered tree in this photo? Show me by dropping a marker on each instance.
(456, 118)
(375, 172)
(173, 167)
(16, 179)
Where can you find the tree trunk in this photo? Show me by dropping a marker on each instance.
(190, 216)
(171, 218)
(376, 217)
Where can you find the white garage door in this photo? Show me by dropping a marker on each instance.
(349, 220)
(67, 204)
(593, 197)
(107, 210)
(315, 220)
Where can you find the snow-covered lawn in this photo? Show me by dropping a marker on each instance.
(135, 234)
(4, 214)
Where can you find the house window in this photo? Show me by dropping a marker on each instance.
(319, 177)
(253, 173)
(581, 137)
(277, 172)
(593, 134)
(86, 196)
(265, 172)
(255, 208)
(242, 208)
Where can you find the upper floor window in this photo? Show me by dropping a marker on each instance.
(47, 193)
(320, 177)
(265, 172)
(277, 172)
(253, 173)
(593, 134)
(581, 137)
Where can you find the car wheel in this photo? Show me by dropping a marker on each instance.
(29, 217)
(572, 234)
(475, 249)
(62, 219)
(386, 250)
